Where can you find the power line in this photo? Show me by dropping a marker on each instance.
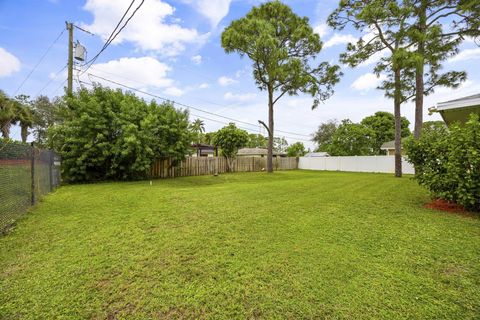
(191, 107)
(113, 35)
(107, 42)
(39, 61)
(213, 120)
(194, 108)
(51, 80)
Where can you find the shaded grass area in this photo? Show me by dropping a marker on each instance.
(295, 244)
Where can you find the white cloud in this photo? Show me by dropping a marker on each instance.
(134, 72)
(239, 97)
(447, 92)
(196, 59)
(147, 30)
(467, 54)
(226, 81)
(203, 86)
(339, 39)
(322, 29)
(213, 10)
(8, 63)
(367, 82)
(174, 91)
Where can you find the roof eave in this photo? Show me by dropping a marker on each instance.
(457, 104)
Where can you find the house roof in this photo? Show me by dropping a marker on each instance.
(459, 110)
(473, 100)
(255, 151)
(202, 145)
(390, 145)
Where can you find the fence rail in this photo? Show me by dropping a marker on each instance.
(26, 174)
(384, 164)
(198, 166)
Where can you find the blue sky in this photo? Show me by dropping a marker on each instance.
(172, 49)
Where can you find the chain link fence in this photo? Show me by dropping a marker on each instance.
(26, 174)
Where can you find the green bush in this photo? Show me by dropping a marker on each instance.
(447, 162)
(108, 134)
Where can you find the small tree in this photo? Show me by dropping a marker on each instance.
(296, 149)
(351, 139)
(229, 139)
(323, 136)
(46, 113)
(280, 144)
(282, 47)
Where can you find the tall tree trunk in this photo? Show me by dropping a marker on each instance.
(270, 133)
(419, 72)
(24, 133)
(5, 128)
(398, 124)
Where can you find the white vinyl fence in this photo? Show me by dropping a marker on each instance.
(354, 164)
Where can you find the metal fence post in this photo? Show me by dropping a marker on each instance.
(50, 168)
(33, 173)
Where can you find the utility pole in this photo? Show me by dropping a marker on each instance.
(70, 57)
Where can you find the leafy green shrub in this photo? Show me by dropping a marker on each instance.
(447, 162)
(10, 149)
(230, 139)
(108, 134)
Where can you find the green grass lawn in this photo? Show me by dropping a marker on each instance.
(293, 245)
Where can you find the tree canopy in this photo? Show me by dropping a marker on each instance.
(417, 36)
(383, 125)
(296, 149)
(7, 114)
(229, 139)
(323, 136)
(351, 139)
(109, 134)
(46, 113)
(257, 141)
(282, 47)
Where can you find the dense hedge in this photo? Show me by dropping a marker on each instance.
(447, 162)
(108, 134)
(10, 149)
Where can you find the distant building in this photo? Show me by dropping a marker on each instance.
(458, 110)
(257, 152)
(204, 150)
(317, 154)
(389, 147)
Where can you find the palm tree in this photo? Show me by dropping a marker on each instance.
(25, 119)
(6, 114)
(198, 128)
(23, 115)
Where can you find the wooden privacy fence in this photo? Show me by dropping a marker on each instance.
(198, 166)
